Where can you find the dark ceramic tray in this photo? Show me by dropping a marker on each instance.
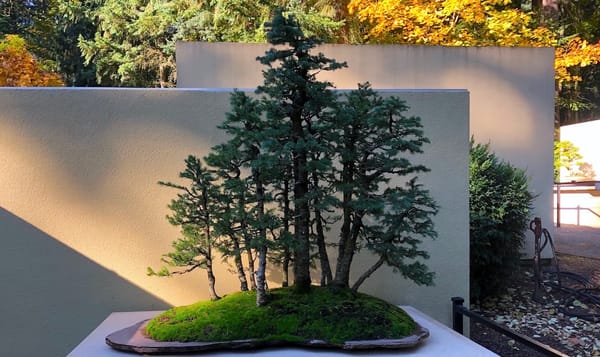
(134, 339)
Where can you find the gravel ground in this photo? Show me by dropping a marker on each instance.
(549, 320)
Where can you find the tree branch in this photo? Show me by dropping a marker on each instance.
(368, 273)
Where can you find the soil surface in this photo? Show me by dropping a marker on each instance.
(559, 318)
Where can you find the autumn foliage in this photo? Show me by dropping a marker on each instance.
(18, 68)
(574, 54)
(449, 23)
(470, 23)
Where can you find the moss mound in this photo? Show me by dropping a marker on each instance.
(332, 315)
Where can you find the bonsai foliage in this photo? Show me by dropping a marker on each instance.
(500, 205)
(193, 211)
(301, 157)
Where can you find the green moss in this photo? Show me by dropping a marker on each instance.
(332, 315)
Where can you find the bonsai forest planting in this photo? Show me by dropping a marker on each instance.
(299, 158)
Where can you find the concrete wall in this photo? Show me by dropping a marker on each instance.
(82, 216)
(512, 91)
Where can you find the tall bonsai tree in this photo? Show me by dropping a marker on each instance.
(193, 211)
(372, 140)
(300, 157)
(294, 102)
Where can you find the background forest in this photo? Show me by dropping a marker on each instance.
(131, 43)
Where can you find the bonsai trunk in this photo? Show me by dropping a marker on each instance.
(211, 281)
(368, 273)
(302, 213)
(239, 266)
(261, 294)
(326, 276)
(285, 264)
(345, 246)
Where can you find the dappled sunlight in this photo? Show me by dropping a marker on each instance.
(86, 173)
(99, 195)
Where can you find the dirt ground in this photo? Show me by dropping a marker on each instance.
(554, 319)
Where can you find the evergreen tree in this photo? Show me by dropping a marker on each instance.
(243, 150)
(372, 140)
(193, 211)
(293, 101)
(298, 154)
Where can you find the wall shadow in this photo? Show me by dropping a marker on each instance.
(52, 296)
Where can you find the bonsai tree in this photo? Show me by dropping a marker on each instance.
(193, 211)
(300, 157)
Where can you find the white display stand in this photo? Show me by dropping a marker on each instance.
(442, 341)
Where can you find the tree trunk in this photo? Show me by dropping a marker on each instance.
(261, 293)
(261, 281)
(209, 268)
(207, 236)
(367, 274)
(326, 275)
(285, 264)
(301, 205)
(251, 270)
(239, 265)
(342, 273)
(342, 268)
(211, 281)
(285, 267)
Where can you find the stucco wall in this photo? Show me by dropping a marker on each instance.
(82, 216)
(511, 89)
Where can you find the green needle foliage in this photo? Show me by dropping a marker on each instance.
(500, 204)
(193, 211)
(299, 158)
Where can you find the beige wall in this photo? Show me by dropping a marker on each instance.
(82, 216)
(511, 89)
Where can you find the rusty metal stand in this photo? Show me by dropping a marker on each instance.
(536, 227)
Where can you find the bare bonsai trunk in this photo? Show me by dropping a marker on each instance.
(211, 281)
(326, 276)
(346, 253)
(209, 268)
(239, 266)
(302, 211)
(261, 282)
(367, 274)
(285, 264)
(285, 267)
(207, 236)
(261, 293)
(251, 270)
(345, 246)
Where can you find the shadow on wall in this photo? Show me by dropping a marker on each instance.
(67, 294)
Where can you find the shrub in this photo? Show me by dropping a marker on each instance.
(500, 204)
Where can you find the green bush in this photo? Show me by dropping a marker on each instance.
(500, 205)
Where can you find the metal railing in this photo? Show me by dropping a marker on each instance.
(458, 311)
(594, 185)
(579, 209)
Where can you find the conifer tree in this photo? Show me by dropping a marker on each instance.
(373, 142)
(298, 158)
(294, 101)
(246, 127)
(193, 211)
